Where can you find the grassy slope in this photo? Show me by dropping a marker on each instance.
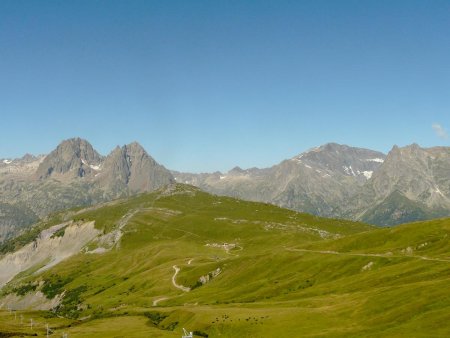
(279, 280)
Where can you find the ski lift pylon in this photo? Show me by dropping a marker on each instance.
(187, 334)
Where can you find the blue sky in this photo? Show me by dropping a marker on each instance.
(207, 85)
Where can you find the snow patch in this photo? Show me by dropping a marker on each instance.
(7, 161)
(368, 174)
(379, 160)
(92, 166)
(349, 170)
(439, 192)
(307, 166)
(222, 177)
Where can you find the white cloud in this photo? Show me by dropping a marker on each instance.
(439, 130)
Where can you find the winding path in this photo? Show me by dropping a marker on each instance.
(174, 282)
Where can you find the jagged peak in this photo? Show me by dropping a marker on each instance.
(136, 149)
(132, 149)
(407, 150)
(236, 170)
(332, 147)
(74, 141)
(72, 155)
(77, 145)
(135, 144)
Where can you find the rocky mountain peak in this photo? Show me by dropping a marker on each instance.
(236, 171)
(135, 146)
(412, 152)
(75, 157)
(28, 158)
(331, 146)
(136, 153)
(341, 159)
(420, 174)
(133, 167)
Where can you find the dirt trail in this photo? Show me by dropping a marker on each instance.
(174, 282)
(187, 232)
(156, 301)
(126, 218)
(386, 255)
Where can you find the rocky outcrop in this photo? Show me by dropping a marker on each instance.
(47, 250)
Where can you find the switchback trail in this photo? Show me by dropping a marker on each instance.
(174, 282)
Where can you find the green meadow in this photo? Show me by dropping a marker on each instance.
(252, 270)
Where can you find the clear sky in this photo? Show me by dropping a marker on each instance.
(207, 85)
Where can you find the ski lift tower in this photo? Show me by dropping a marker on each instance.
(187, 334)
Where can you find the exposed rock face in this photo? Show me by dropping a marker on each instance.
(76, 157)
(132, 167)
(73, 174)
(412, 184)
(421, 175)
(47, 248)
(316, 181)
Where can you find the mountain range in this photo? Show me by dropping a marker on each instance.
(333, 180)
(407, 184)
